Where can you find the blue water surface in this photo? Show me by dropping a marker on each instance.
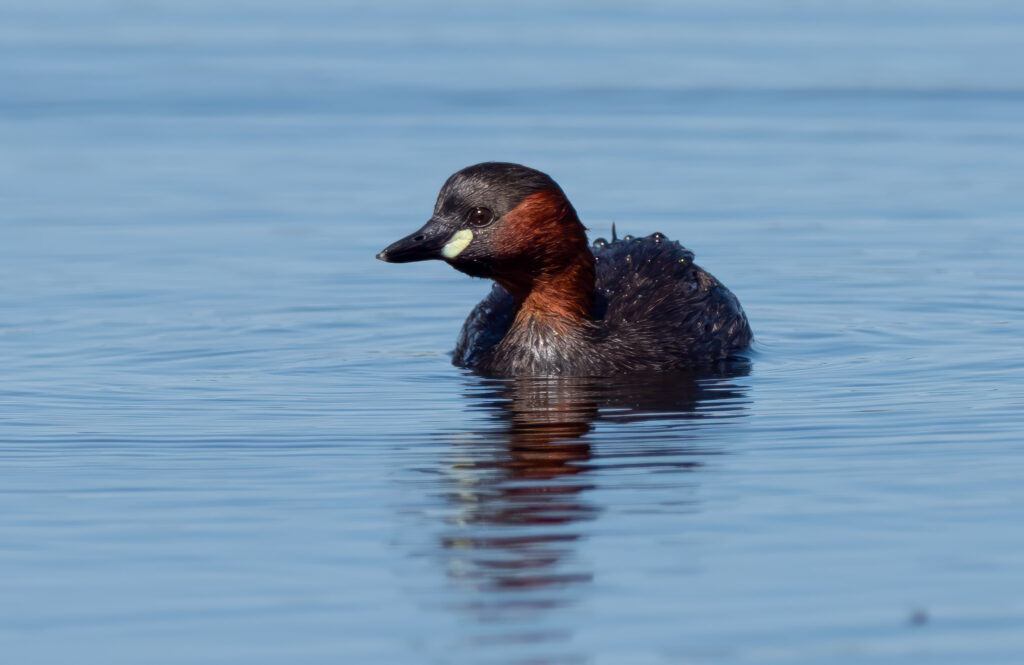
(229, 435)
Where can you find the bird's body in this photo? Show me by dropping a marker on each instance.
(655, 310)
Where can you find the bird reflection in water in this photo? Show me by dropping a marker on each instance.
(518, 492)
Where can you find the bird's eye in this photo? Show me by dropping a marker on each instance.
(480, 216)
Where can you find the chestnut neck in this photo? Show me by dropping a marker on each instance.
(566, 294)
(552, 278)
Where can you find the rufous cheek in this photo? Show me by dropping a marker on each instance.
(531, 224)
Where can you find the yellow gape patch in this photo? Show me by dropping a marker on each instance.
(459, 241)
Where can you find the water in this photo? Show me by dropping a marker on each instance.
(231, 436)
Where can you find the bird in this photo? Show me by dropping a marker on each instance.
(561, 306)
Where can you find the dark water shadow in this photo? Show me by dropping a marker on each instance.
(518, 486)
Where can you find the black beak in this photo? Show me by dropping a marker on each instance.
(418, 246)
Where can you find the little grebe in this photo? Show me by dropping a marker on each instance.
(558, 306)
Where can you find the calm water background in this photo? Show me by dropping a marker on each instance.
(228, 435)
